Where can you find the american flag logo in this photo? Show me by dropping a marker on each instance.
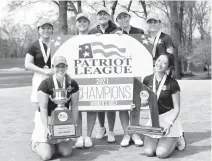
(87, 50)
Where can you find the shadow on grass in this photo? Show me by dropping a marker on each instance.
(101, 147)
(193, 137)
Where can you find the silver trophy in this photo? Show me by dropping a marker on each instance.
(61, 124)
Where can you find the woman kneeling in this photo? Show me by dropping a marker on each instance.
(44, 147)
(168, 98)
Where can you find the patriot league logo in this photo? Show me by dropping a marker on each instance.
(99, 58)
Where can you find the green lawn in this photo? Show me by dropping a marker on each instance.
(6, 63)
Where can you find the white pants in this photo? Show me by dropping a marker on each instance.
(36, 80)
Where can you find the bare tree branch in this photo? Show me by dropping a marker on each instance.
(113, 9)
(129, 6)
(134, 11)
(56, 2)
(104, 3)
(144, 7)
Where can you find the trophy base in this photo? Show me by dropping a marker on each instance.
(148, 130)
(62, 131)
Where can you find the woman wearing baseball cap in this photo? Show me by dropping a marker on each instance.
(38, 57)
(122, 17)
(41, 144)
(106, 26)
(162, 44)
(83, 24)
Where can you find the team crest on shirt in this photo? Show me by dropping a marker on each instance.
(164, 87)
(159, 41)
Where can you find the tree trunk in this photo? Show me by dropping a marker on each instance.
(190, 28)
(175, 32)
(129, 6)
(181, 20)
(113, 9)
(79, 6)
(63, 26)
(144, 7)
(202, 31)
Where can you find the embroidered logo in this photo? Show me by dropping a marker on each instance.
(164, 88)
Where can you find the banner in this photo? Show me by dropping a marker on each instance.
(105, 66)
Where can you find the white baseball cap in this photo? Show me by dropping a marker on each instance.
(119, 11)
(80, 15)
(153, 16)
(44, 21)
(102, 9)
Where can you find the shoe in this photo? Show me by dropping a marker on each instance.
(137, 140)
(101, 133)
(125, 141)
(88, 142)
(33, 146)
(80, 142)
(111, 137)
(181, 143)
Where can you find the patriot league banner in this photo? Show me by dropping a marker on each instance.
(105, 67)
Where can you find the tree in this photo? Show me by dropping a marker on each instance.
(201, 11)
(202, 52)
(113, 9)
(175, 32)
(63, 26)
(142, 2)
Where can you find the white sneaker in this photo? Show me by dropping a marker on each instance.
(88, 142)
(101, 133)
(33, 146)
(181, 143)
(80, 142)
(125, 141)
(137, 140)
(111, 137)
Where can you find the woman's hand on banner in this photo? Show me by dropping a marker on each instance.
(132, 106)
(119, 33)
(98, 34)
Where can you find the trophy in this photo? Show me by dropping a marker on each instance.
(61, 124)
(145, 111)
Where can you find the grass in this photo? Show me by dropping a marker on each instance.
(6, 63)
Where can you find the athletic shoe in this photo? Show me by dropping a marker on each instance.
(181, 143)
(111, 137)
(33, 146)
(88, 142)
(125, 141)
(137, 140)
(101, 133)
(80, 142)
